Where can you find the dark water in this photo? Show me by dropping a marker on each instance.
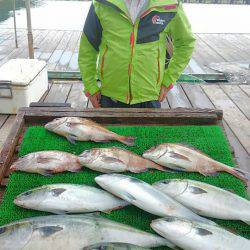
(6, 7)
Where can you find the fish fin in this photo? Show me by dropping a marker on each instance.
(47, 172)
(71, 138)
(75, 170)
(178, 156)
(203, 232)
(129, 197)
(239, 173)
(161, 168)
(48, 230)
(247, 222)
(57, 191)
(196, 190)
(231, 191)
(127, 140)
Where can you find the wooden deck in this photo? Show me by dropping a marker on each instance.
(234, 100)
(60, 49)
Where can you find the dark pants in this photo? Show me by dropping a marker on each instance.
(107, 102)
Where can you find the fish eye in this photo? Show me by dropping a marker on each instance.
(166, 182)
(27, 193)
(2, 230)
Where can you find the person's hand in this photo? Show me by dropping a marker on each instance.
(95, 99)
(164, 91)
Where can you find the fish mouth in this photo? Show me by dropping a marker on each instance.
(13, 169)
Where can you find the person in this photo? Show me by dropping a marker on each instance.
(126, 41)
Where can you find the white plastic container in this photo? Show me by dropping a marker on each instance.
(22, 81)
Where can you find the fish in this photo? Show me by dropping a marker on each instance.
(206, 200)
(47, 163)
(55, 232)
(81, 129)
(69, 198)
(193, 235)
(145, 196)
(188, 159)
(115, 159)
(114, 246)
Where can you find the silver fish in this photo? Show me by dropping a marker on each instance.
(192, 235)
(47, 163)
(144, 196)
(56, 232)
(114, 159)
(185, 158)
(69, 198)
(206, 200)
(80, 129)
(114, 246)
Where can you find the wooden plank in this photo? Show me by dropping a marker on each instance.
(241, 156)
(3, 119)
(5, 129)
(238, 41)
(68, 52)
(240, 98)
(197, 96)
(9, 147)
(204, 54)
(73, 64)
(77, 97)
(245, 88)
(235, 119)
(127, 116)
(22, 50)
(57, 54)
(196, 68)
(177, 98)
(222, 47)
(58, 93)
(48, 48)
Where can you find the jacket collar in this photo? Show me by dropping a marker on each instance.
(120, 5)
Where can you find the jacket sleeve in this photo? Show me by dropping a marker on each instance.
(89, 50)
(183, 46)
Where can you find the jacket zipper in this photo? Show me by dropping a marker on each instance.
(102, 63)
(159, 67)
(132, 44)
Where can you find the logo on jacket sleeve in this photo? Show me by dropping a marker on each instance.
(157, 20)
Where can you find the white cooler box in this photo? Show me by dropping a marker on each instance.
(22, 81)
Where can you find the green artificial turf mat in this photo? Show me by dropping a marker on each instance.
(209, 139)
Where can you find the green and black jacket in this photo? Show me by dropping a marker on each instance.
(131, 57)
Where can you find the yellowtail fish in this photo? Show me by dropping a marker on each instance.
(144, 196)
(47, 163)
(184, 158)
(57, 232)
(114, 160)
(206, 200)
(193, 235)
(80, 129)
(69, 198)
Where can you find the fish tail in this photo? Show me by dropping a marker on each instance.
(239, 173)
(127, 140)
